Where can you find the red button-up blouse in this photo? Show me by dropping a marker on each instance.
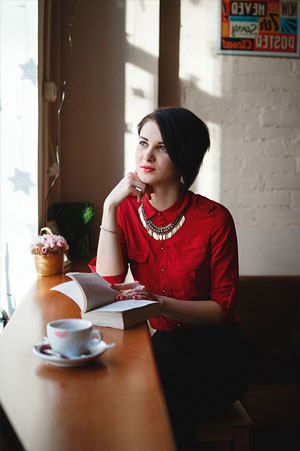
(199, 262)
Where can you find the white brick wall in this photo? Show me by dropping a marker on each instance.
(252, 106)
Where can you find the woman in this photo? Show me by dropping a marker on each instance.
(182, 251)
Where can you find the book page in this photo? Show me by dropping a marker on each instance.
(122, 306)
(96, 291)
(72, 290)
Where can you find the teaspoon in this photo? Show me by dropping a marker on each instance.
(45, 349)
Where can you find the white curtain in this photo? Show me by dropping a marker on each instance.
(18, 147)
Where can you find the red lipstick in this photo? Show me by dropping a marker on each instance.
(147, 168)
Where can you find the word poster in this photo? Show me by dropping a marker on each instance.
(266, 28)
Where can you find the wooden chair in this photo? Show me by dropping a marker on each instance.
(233, 426)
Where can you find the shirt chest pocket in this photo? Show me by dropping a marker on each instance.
(192, 276)
(138, 256)
(193, 261)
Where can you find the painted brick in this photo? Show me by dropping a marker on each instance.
(289, 117)
(293, 98)
(242, 215)
(244, 81)
(216, 115)
(275, 148)
(271, 133)
(282, 181)
(262, 98)
(285, 117)
(232, 132)
(279, 217)
(295, 199)
(248, 116)
(269, 66)
(263, 199)
(231, 182)
(233, 165)
(273, 165)
(293, 146)
(280, 80)
(251, 148)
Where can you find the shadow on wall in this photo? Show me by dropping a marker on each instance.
(92, 137)
(176, 91)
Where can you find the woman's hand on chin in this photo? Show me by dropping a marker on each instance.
(130, 184)
(134, 290)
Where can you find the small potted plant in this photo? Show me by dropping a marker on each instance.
(49, 251)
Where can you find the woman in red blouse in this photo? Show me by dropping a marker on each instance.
(182, 251)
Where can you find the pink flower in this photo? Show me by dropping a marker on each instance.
(49, 244)
(61, 242)
(48, 240)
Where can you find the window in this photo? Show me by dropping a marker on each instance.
(18, 147)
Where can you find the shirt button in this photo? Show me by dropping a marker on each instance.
(163, 290)
(159, 214)
(178, 324)
(162, 270)
(162, 248)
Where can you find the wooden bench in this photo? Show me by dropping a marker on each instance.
(233, 426)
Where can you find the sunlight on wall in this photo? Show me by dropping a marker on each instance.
(141, 69)
(208, 181)
(201, 80)
(18, 147)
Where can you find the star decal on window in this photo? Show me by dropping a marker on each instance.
(21, 181)
(29, 71)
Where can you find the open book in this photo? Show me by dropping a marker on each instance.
(97, 303)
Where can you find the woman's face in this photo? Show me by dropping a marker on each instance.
(153, 164)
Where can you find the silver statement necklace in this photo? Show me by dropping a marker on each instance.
(161, 233)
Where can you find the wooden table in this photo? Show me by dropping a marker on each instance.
(114, 403)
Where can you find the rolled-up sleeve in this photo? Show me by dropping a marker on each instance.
(224, 263)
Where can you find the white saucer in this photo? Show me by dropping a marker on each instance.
(94, 352)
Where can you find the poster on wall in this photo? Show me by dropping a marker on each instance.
(264, 27)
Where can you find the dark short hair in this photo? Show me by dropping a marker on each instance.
(185, 136)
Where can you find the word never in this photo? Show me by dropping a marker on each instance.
(248, 9)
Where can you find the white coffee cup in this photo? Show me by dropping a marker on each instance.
(72, 337)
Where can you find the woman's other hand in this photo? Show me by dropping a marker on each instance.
(133, 290)
(130, 184)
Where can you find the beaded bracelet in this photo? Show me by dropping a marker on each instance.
(106, 230)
